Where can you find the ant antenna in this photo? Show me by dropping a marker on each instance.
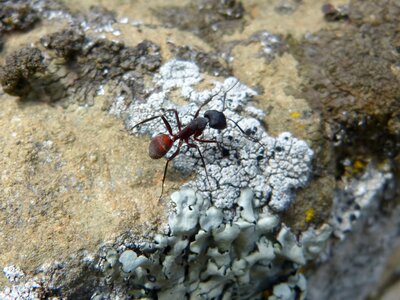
(249, 137)
(205, 103)
(236, 123)
(212, 97)
(226, 92)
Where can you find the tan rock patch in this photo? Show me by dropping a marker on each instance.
(71, 179)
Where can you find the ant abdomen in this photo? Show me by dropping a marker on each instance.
(160, 145)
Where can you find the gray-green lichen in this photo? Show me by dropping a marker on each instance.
(204, 257)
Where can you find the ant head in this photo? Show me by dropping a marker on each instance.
(216, 119)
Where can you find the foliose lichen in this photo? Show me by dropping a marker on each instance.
(206, 257)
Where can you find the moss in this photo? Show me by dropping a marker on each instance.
(17, 73)
(17, 16)
(73, 68)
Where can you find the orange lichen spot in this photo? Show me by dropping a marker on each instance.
(295, 114)
(310, 215)
(301, 126)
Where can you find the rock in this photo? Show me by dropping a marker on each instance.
(249, 208)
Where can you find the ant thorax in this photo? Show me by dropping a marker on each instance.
(243, 154)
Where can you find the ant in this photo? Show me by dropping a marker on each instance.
(162, 143)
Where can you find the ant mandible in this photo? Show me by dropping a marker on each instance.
(162, 143)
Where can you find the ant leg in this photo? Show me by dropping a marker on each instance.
(208, 141)
(166, 123)
(205, 141)
(178, 121)
(144, 121)
(190, 145)
(166, 166)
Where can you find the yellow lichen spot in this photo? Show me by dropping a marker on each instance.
(358, 166)
(310, 214)
(295, 114)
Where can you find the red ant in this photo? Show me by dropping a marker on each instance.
(162, 143)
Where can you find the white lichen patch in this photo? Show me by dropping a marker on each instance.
(272, 167)
(13, 273)
(23, 287)
(359, 196)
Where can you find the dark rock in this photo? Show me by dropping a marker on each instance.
(287, 7)
(99, 16)
(352, 78)
(333, 14)
(211, 63)
(207, 18)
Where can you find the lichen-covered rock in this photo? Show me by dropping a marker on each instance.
(206, 18)
(66, 43)
(271, 167)
(245, 225)
(187, 212)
